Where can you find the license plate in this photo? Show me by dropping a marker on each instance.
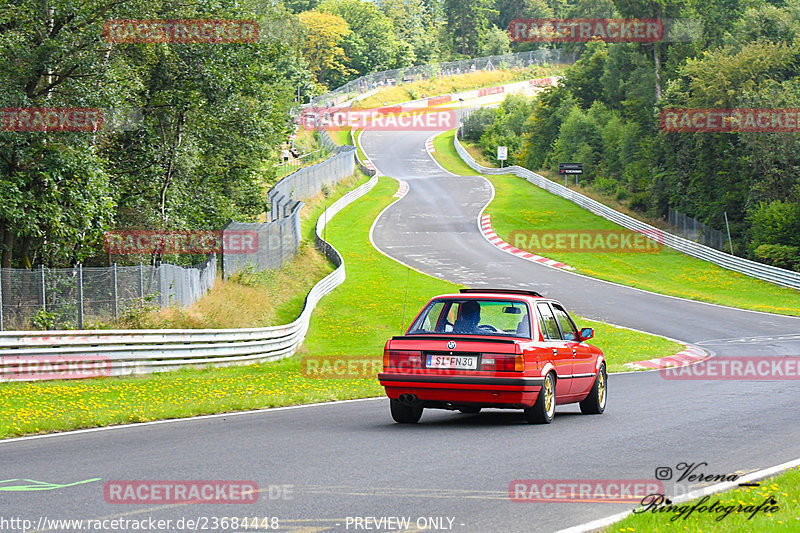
(452, 361)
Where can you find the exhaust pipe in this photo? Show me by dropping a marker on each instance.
(408, 399)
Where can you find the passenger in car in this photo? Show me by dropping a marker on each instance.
(470, 316)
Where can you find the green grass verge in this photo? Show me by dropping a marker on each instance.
(340, 136)
(357, 136)
(356, 319)
(784, 489)
(518, 205)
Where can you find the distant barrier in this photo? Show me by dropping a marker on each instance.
(388, 78)
(279, 238)
(72, 297)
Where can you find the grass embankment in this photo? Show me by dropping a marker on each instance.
(520, 206)
(450, 84)
(355, 320)
(783, 489)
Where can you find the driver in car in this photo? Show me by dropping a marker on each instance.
(470, 316)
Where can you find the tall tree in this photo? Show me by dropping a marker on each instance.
(468, 24)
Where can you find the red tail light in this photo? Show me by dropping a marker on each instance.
(402, 359)
(503, 362)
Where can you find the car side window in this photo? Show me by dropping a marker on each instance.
(549, 324)
(568, 328)
(433, 320)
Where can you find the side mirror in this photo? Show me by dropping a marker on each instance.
(587, 333)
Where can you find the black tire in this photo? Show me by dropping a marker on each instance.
(595, 403)
(405, 414)
(544, 409)
(470, 410)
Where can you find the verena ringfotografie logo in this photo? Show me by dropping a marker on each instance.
(772, 368)
(180, 31)
(588, 241)
(379, 119)
(738, 120)
(130, 242)
(184, 492)
(556, 30)
(582, 490)
(57, 119)
(333, 367)
(29, 368)
(659, 504)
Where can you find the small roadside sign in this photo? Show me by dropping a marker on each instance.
(570, 168)
(502, 153)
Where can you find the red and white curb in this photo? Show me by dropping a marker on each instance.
(689, 356)
(429, 145)
(369, 165)
(489, 233)
(402, 190)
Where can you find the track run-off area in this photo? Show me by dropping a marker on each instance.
(320, 467)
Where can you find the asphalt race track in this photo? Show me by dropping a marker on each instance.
(350, 460)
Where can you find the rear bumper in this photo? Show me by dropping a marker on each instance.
(515, 392)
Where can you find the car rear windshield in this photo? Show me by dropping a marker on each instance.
(472, 316)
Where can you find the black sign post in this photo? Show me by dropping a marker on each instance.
(570, 168)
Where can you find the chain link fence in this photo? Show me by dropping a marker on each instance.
(694, 230)
(68, 298)
(400, 76)
(280, 237)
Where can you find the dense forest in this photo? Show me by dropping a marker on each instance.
(211, 116)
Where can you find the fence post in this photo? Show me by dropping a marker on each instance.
(160, 288)
(116, 303)
(80, 296)
(44, 294)
(141, 281)
(280, 232)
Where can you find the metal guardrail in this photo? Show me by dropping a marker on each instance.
(779, 276)
(34, 355)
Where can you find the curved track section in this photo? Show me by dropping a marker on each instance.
(349, 460)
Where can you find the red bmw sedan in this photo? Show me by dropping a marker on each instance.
(493, 348)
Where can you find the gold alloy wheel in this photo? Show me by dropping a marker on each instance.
(601, 389)
(548, 395)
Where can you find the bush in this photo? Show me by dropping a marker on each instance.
(779, 255)
(477, 122)
(640, 201)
